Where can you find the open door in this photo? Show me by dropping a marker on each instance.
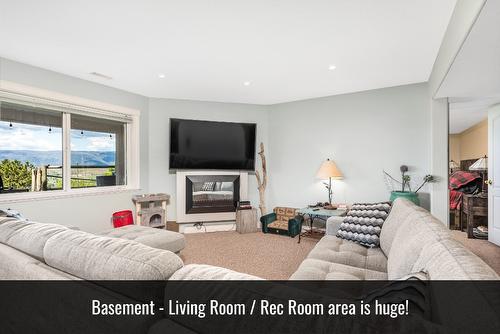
(494, 174)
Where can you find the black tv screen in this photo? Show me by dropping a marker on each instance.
(211, 145)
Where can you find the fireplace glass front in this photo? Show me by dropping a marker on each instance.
(212, 193)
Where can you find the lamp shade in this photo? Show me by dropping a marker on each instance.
(329, 169)
(453, 164)
(480, 164)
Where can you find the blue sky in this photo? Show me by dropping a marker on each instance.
(38, 138)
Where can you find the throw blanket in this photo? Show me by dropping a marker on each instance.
(461, 182)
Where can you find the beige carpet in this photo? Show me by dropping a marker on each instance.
(269, 256)
(489, 252)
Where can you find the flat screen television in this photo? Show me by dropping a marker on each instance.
(211, 145)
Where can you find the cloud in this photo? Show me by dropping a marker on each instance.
(28, 137)
(101, 144)
(38, 138)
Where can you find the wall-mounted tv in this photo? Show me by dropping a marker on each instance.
(211, 145)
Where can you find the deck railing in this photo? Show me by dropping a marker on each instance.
(82, 176)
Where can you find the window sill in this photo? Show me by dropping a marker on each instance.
(59, 194)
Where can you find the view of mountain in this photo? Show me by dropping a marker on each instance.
(54, 158)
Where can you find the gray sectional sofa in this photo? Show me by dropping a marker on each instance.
(412, 242)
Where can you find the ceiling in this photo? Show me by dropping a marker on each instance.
(208, 50)
(473, 81)
(465, 113)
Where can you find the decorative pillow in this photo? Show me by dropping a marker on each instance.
(226, 186)
(363, 223)
(208, 186)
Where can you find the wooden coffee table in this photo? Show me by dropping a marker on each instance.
(312, 214)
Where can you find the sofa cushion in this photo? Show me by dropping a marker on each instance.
(28, 237)
(313, 269)
(153, 237)
(364, 222)
(337, 250)
(279, 224)
(401, 212)
(207, 272)
(284, 214)
(17, 265)
(419, 232)
(450, 260)
(102, 258)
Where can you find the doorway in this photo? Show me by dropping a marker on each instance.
(468, 144)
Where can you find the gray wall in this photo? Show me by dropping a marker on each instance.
(160, 110)
(364, 133)
(91, 213)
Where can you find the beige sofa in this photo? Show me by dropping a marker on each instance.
(411, 241)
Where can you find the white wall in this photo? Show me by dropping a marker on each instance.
(91, 213)
(161, 110)
(364, 133)
(461, 22)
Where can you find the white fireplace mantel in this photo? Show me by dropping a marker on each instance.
(184, 218)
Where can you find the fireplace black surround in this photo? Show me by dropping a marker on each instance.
(212, 193)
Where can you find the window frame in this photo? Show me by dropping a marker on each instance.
(68, 105)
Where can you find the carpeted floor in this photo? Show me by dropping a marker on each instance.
(269, 256)
(489, 252)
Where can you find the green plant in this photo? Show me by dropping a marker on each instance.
(405, 183)
(15, 174)
(110, 171)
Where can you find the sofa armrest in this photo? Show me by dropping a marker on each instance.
(295, 225)
(333, 224)
(267, 219)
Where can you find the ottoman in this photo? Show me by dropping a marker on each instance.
(149, 236)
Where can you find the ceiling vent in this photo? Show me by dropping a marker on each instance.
(100, 75)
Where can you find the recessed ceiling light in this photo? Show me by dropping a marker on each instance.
(332, 67)
(161, 76)
(246, 83)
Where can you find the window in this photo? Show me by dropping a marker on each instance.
(45, 148)
(30, 148)
(97, 152)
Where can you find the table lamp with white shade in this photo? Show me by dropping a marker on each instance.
(481, 166)
(453, 165)
(329, 170)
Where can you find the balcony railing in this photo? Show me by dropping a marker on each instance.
(87, 176)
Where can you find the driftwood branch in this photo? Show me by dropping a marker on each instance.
(262, 181)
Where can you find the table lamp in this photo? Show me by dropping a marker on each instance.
(329, 170)
(453, 165)
(481, 165)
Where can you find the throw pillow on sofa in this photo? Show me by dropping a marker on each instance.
(363, 223)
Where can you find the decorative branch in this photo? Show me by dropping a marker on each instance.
(262, 182)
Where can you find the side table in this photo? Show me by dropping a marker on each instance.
(473, 206)
(311, 214)
(246, 221)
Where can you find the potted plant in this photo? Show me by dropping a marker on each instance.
(403, 188)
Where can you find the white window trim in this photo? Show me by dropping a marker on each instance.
(57, 100)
